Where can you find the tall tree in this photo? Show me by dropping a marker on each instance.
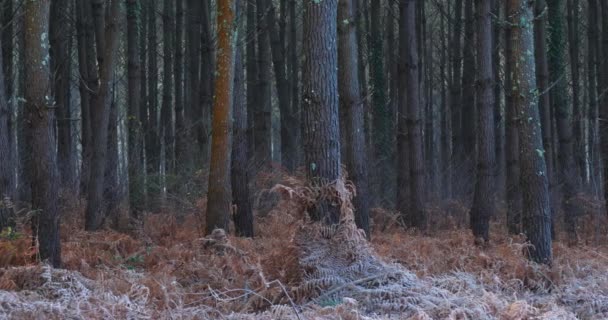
(513, 192)
(563, 112)
(100, 117)
(320, 100)
(60, 39)
(351, 105)
(193, 109)
(151, 121)
(166, 131)
(42, 165)
(219, 203)
(243, 217)
(262, 111)
(603, 96)
(577, 112)
(7, 169)
(412, 110)
(182, 152)
(483, 202)
(381, 127)
(542, 81)
(468, 86)
(536, 218)
(135, 155)
(456, 86)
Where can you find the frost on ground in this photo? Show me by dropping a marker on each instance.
(295, 269)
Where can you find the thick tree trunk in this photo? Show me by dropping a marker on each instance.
(135, 155)
(219, 203)
(252, 77)
(513, 170)
(483, 200)
(563, 113)
(542, 81)
(416, 217)
(243, 217)
(351, 105)
(320, 100)
(7, 165)
(40, 133)
(403, 143)
(262, 111)
(60, 39)
(207, 80)
(100, 117)
(534, 184)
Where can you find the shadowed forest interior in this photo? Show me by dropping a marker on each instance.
(304, 159)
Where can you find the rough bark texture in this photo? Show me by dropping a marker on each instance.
(483, 201)
(262, 111)
(219, 195)
(416, 216)
(320, 100)
(351, 105)
(135, 155)
(563, 113)
(60, 39)
(44, 175)
(542, 81)
(534, 184)
(512, 187)
(100, 117)
(243, 217)
(7, 165)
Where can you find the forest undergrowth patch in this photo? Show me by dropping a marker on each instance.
(296, 269)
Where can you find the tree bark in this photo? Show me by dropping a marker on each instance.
(352, 107)
(151, 121)
(135, 155)
(468, 92)
(262, 112)
(166, 131)
(577, 113)
(320, 100)
(100, 117)
(416, 217)
(183, 155)
(243, 217)
(60, 39)
(603, 102)
(563, 113)
(483, 201)
(7, 165)
(456, 92)
(219, 203)
(40, 133)
(534, 184)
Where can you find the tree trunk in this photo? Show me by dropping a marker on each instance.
(293, 79)
(288, 142)
(243, 217)
(456, 92)
(219, 203)
(603, 102)
(578, 118)
(483, 200)
(320, 100)
(60, 39)
(535, 189)
(381, 113)
(352, 107)
(193, 111)
(513, 170)
(135, 156)
(7, 165)
(416, 217)
(100, 117)
(151, 121)
(403, 143)
(40, 133)
(252, 77)
(167, 102)
(563, 113)
(183, 156)
(468, 95)
(207, 79)
(542, 80)
(262, 112)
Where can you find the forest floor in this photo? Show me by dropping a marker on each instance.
(294, 269)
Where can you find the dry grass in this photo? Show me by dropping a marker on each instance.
(295, 269)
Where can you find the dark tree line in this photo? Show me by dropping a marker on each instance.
(143, 106)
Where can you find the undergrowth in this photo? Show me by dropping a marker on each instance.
(297, 269)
